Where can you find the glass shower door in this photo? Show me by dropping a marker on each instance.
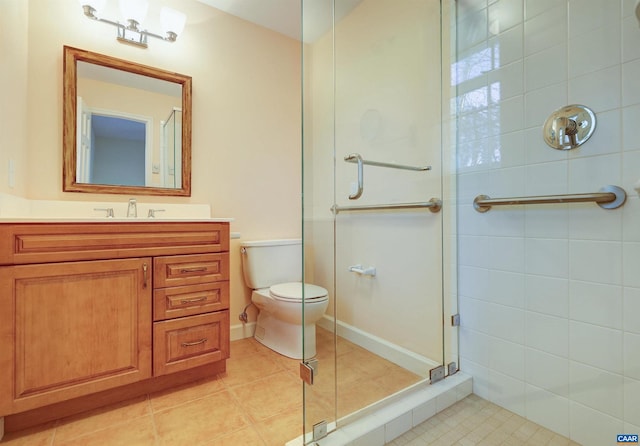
(373, 227)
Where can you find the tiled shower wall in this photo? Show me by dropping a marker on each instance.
(549, 295)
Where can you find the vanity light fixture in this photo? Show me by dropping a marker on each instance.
(134, 13)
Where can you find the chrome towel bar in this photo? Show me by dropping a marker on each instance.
(357, 159)
(609, 197)
(434, 205)
(353, 158)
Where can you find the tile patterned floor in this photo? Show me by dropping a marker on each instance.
(257, 402)
(474, 421)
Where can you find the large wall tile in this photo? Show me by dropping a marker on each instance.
(547, 409)
(590, 427)
(596, 346)
(548, 372)
(596, 303)
(547, 333)
(597, 389)
(547, 295)
(632, 310)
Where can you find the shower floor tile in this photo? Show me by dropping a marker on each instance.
(475, 421)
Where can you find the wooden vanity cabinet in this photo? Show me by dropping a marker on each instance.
(191, 317)
(93, 307)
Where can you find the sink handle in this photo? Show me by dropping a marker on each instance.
(109, 211)
(152, 212)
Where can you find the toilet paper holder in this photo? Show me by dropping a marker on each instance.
(369, 271)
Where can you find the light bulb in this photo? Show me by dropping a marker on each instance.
(134, 10)
(96, 5)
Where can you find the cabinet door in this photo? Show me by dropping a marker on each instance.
(72, 329)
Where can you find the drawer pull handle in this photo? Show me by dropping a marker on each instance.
(199, 341)
(199, 269)
(144, 273)
(190, 301)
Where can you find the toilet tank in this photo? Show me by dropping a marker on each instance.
(269, 262)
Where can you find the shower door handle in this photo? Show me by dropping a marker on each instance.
(358, 159)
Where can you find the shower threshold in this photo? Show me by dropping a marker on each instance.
(386, 420)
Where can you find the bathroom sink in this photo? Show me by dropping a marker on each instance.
(15, 209)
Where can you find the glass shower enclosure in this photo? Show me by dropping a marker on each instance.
(373, 220)
(171, 150)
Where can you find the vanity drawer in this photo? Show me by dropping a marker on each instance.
(183, 343)
(190, 269)
(188, 300)
(22, 243)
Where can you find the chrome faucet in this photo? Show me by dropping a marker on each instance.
(109, 211)
(152, 212)
(132, 210)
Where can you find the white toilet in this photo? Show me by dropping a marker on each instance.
(273, 269)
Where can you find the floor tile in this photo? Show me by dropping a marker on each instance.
(95, 420)
(269, 396)
(245, 368)
(37, 436)
(279, 429)
(258, 402)
(475, 422)
(244, 437)
(140, 431)
(188, 392)
(200, 421)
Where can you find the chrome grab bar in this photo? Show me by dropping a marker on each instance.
(434, 205)
(356, 158)
(609, 197)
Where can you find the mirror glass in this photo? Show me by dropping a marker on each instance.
(127, 127)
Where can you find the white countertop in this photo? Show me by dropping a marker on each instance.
(112, 220)
(15, 209)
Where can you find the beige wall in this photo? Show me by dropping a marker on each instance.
(246, 111)
(13, 112)
(382, 101)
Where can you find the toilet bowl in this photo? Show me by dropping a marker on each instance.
(279, 324)
(272, 268)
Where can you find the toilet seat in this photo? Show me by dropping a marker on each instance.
(292, 292)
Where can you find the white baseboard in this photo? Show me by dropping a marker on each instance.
(241, 331)
(406, 359)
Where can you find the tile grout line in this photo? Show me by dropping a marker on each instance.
(156, 434)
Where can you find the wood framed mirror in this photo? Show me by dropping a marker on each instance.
(126, 127)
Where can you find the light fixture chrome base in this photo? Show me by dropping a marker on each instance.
(132, 37)
(130, 33)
